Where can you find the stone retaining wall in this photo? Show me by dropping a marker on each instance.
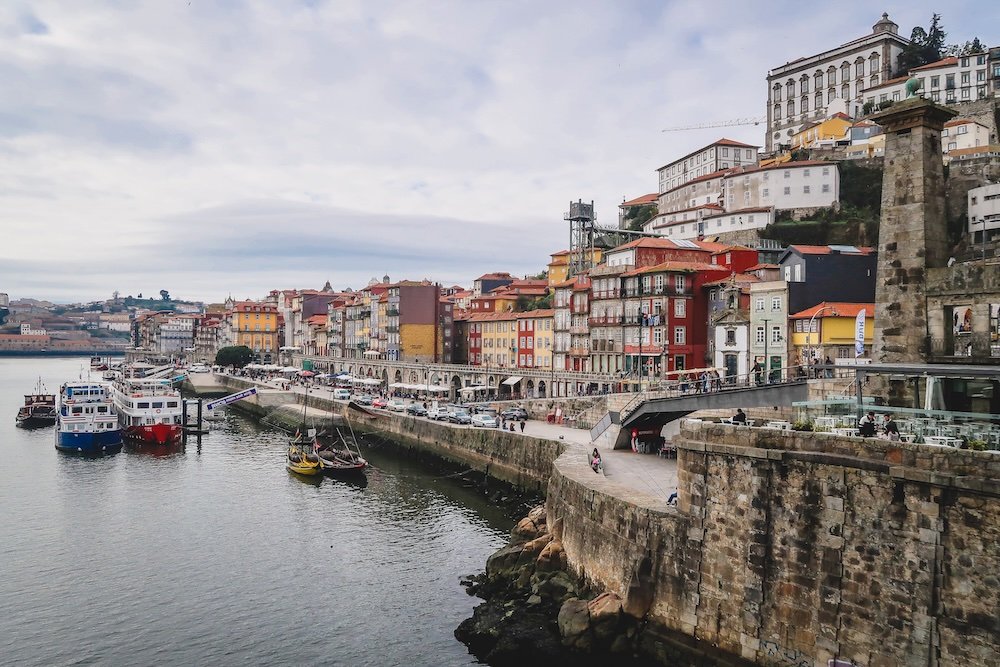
(796, 548)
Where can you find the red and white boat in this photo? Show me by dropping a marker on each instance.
(149, 411)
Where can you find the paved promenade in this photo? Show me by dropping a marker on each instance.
(643, 479)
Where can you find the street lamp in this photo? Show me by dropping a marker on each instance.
(809, 328)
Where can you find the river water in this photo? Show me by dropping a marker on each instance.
(221, 556)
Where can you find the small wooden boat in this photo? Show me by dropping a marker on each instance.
(39, 409)
(301, 459)
(338, 452)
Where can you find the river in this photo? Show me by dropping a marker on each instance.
(220, 556)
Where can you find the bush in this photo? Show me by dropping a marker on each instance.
(802, 425)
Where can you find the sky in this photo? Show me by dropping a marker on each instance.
(229, 147)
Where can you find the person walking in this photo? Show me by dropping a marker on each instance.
(758, 372)
(523, 422)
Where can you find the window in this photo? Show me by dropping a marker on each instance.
(775, 334)
(730, 336)
(805, 173)
(804, 104)
(725, 152)
(788, 190)
(952, 146)
(758, 304)
(760, 335)
(679, 283)
(962, 129)
(788, 174)
(657, 336)
(766, 192)
(805, 189)
(859, 68)
(826, 187)
(826, 171)
(680, 308)
(777, 112)
(680, 336)
(935, 82)
(775, 303)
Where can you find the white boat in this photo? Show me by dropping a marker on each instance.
(86, 421)
(150, 410)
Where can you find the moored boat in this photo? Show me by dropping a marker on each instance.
(338, 453)
(149, 410)
(301, 459)
(87, 422)
(39, 409)
(98, 364)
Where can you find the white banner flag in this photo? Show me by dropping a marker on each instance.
(859, 333)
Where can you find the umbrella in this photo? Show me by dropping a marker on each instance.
(306, 374)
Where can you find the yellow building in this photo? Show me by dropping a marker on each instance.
(827, 330)
(255, 325)
(832, 129)
(559, 266)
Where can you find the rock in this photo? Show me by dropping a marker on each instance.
(504, 562)
(534, 600)
(525, 530)
(574, 624)
(557, 586)
(557, 529)
(551, 557)
(621, 645)
(605, 617)
(537, 515)
(500, 637)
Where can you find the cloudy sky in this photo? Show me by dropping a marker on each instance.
(218, 147)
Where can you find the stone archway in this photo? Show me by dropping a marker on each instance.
(414, 378)
(529, 389)
(456, 385)
(398, 377)
(541, 389)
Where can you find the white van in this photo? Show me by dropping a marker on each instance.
(342, 394)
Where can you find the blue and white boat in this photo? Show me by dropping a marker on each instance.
(87, 422)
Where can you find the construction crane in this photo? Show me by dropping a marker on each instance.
(725, 123)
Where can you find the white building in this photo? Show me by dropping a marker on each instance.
(951, 80)
(26, 330)
(769, 326)
(815, 87)
(984, 212)
(177, 334)
(718, 156)
(963, 133)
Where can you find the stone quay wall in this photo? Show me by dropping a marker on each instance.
(519, 460)
(797, 548)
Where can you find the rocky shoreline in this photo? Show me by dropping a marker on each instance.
(537, 613)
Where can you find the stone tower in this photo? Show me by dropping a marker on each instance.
(913, 232)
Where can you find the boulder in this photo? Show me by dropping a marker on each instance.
(556, 586)
(525, 530)
(537, 515)
(551, 558)
(504, 562)
(605, 617)
(574, 624)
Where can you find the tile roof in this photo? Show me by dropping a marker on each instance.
(944, 62)
(757, 267)
(640, 201)
(495, 276)
(990, 148)
(678, 266)
(706, 177)
(735, 278)
(960, 121)
(835, 309)
(829, 250)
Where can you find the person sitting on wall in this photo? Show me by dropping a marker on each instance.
(891, 428)
(740, 417)
(595, 460)
(866, 427)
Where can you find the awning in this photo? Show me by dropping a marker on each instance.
(289, 348)
(371, 381)
(473, 389)
(512, 380)
(372, 353)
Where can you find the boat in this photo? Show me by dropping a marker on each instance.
(39, 409)
(150, 410)
(339, 454)
(301, 458)
(87, 422)
(98, 364)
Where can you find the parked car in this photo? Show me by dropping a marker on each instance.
(416, 410)
(484, 420)
(460, 417)
(396, 405)
(516, 414)
(364, 399)
(342, 394)
(380, 403)
(439, 414)
(199, 368)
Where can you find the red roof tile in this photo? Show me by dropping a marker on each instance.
(640, 201)
(835, 309)
(944, 62)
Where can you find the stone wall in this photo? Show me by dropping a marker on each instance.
(794, 548)
(520, 460)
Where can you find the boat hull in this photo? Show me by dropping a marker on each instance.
(35, 421)
(154, 434)
(303, 469)
(104, 442)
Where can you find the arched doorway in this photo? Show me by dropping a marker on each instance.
(456, 385)
(529, 389)
(541, 389)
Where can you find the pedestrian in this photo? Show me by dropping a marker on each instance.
(891, 428)
(503, 421)
(866, 427)
(829, 371)
(684, 383)
(635, 440)
(522, 425)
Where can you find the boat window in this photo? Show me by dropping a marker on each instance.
(142, 405)
(158, 404)
(101, 409)
(77, 411)
(171, 404)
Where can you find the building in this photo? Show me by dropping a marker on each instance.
(718, 156)
(962, 134)
(984, 213)
(729, 323)
(418, 323)
(559, 266)
(769, 328)
(534, 339)
(488, 282)
(815, 87)
(828, 273)
(255, 325)
(827, 331)
(828, 132)
(951, 81)
(562, 297)
(627, 207)
(28, 330)
(492, 339)
(176, 334)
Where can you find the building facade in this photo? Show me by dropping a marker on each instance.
(984, 213)
(769, 328)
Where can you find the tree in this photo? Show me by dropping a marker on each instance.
(165, 295)
(926, 46)
(235, 355)
(637, 216)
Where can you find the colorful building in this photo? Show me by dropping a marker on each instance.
(255, 325)
(828, 330)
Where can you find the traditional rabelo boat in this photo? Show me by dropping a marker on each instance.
(302, 458)
(339, 453)
(39, 409)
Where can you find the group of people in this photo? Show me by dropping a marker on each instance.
(702, 383)
(869, 428)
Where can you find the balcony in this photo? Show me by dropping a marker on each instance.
(605, 320)
(579, 352)
(610, 270)
(607, 294)
(392, 329)
(392, 312)
(580, 309)
(579, 329)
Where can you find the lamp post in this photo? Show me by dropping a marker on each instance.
(767, 362)
(809, 328)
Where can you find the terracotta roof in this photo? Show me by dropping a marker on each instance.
(685, 210)
(890, 82)
(495, 276)
(254, 307)
(960, 121)
(739, 171)
(560, 253)
(730, 248)
(541, 312)
(944, 62)
(991, 148)
(640, 201)
(828, 250)
(835, 309)
(740, 211)
(757, 267)
(486, 317)
(730, 142)
(706, 177)
(736, 278)
(721, 142)
(317, 319)
(677, 266)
